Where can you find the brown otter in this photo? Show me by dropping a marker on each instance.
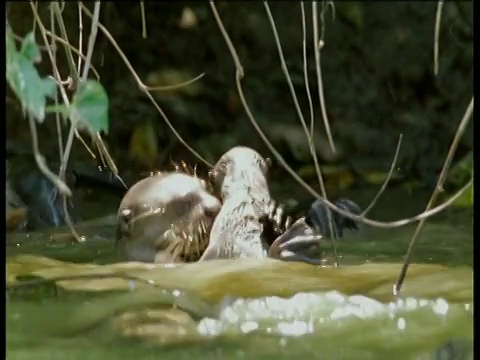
(240, 177)
(162, 214)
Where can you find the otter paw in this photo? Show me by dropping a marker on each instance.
(274, 222)
(298, 243)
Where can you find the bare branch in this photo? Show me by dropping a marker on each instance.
(438, 188)
(144, 21)
(111, 164)
(233, 52)
(387, 180)
(436, 37)
(40, 160)
(74, 49)
(302, 121)
(144, 88)
(55, 7)
(91, 40)
(80, 38)
(305, 72)
(66, 101)
(281, 160)
(57, 114)
(318, 43)
(176, 86)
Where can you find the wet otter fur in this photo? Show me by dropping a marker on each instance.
(240, 178)
(165, 218)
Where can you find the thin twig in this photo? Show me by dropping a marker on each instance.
(144, 88)
(91, 40)
(80, 38)
(318, 43)
(91, 43)
(438, 188)
(110, 163)
(73, 128)
(95, 72)
(176, 86)
(437, 36)
(34, 27)
(73, 125)
(65, 99)
(305, 69)
(144, 21)
(380, 224)
(56, 73)
(57, 114)
(68, 220)
(233, 52)
(332, 5)
(55, 7)
(40, 160)
(302, 121)
(387, 180)
(85, 145)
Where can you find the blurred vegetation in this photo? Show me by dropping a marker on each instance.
(377, 66)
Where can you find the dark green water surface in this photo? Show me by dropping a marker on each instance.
(239, 309)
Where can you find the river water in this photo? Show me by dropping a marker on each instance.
(239, 309)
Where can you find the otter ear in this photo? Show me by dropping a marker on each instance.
(211, 176)
(125, 215)
(268, 162)
(267, 165)
(213, 179)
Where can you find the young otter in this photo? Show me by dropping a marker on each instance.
(161, 215)
(240, 180)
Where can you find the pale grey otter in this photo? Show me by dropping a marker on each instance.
(240, 178)
(162, 215)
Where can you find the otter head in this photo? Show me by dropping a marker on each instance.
(167, 213)
(239, 165)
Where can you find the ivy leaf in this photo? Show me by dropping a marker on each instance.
(30, 49)
(90, 107)
(24, 79)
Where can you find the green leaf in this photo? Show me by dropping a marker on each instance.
(90, 106)
(11, 48)
(24, 79)
(30, 49)
(49, 87)
(62, 109)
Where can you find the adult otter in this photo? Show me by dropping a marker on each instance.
(163, 214)
(240, 180)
